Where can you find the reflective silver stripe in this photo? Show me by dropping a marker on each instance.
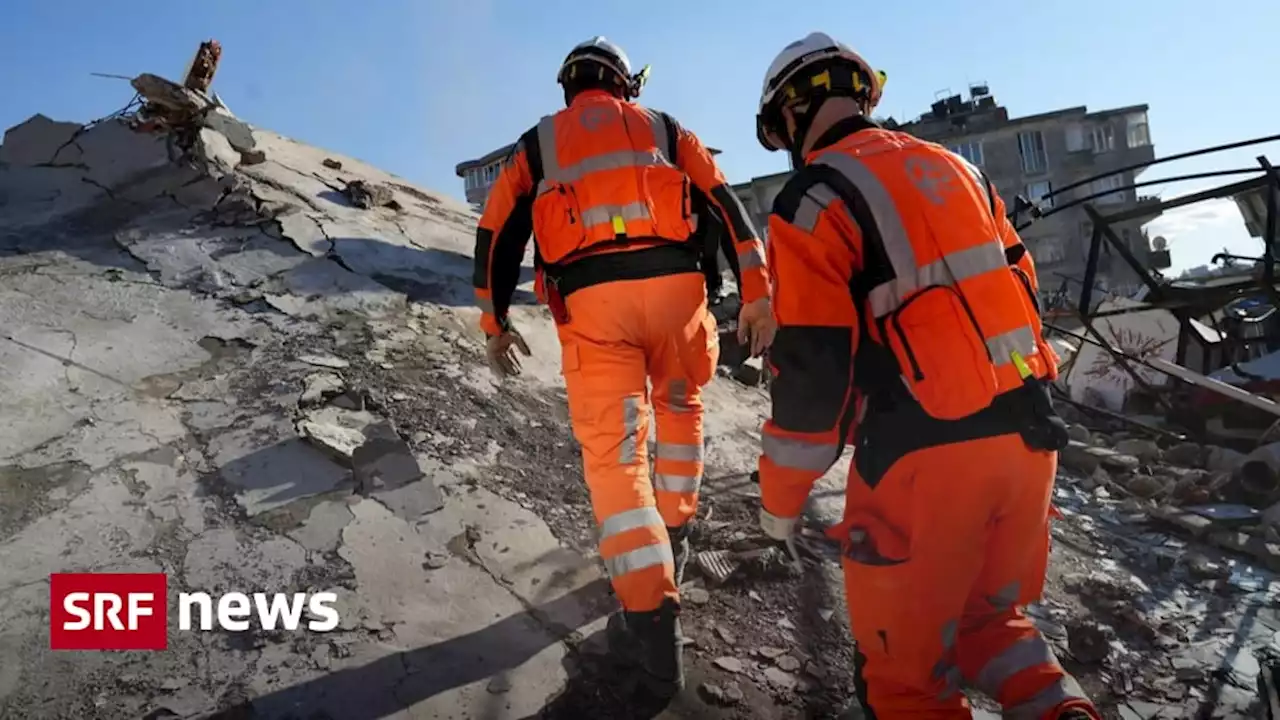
(1006, 597)
(1022, 339)
(630, 520)
(678, 451)
(639, 559)
(1022, 655)
(485, 305)
(630, 429)
(603, 214)
(547, 147)
(678, 395)
(815, 200)
(955, 267)
(553, 172)
(799, 454)
(883, 209)
(607, 161)
(964, 264)
(659, 127)
(677, 483)
(752, 258)
(1066, 688)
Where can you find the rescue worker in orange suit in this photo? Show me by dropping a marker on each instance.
(908, 325)
(605, 185)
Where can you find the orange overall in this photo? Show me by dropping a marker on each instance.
(604, 185)
(908, 324)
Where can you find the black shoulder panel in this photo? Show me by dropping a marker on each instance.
(787, 202)
(532, 153)
(673, 136)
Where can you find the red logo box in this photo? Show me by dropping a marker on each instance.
(108, 611)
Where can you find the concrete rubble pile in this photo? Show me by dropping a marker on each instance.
(252, 364)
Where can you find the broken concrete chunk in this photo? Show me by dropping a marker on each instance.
(788, 663)
(331, 164)
(1190, 522)
(1079, 433)
(40, 140)
(1145, 486)
(368, 195)
(236, 131)
(319, 387)
(1186, 454)
(729, 664)
(780, 678)
(750, 372)
(1085, 458)
(328, 361)
(722, 695)
(696, 595)
(336, 431)
(1141, 448)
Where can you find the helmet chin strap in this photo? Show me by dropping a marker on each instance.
(804, 121)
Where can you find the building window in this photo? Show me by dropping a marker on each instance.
(1075, 138)
(1037, 191)
(1047, 250)
(971, 151)
(1110, 182)
(1035, 159)
(1102, 138)
(1138, 135)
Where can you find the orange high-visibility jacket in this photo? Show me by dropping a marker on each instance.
(603, 175)
(924, 264)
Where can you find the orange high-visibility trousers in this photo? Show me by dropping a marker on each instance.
(938, 558)
(620, 337)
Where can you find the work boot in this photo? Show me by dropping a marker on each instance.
(651, 640)
(679, 549)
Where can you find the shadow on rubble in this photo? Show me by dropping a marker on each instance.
(393, 683)
(599, 687)
(431, 275)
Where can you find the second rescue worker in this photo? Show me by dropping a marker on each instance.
(604, 186)
(907, 320)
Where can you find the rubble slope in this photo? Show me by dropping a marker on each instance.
(253, 365)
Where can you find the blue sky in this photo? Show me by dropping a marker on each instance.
(415, 86)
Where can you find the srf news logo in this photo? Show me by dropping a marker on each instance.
(129, 611)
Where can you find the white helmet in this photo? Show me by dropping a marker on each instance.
(599, 50)
(804, 53)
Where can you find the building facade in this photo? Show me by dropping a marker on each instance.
(1032, 156)
(1035, 155)
(478, 175)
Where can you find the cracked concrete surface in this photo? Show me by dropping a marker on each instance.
(152, 317)
(233, 375)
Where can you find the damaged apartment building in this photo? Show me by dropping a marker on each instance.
(1034, 156)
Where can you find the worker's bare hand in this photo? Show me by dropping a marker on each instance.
(502, 355)
(756, 326)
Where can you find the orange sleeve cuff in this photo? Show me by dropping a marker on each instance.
(489, 324)
(755, 284)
